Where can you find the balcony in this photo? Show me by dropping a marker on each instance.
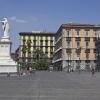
(68, 50)
(87, 38)
(78, 50)
(94, 38)
(87, 50)
(68, 38)
(78, 39)
(41, 40)
(95, 51)
(46, 40)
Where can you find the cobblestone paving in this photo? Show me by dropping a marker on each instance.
(51, 86)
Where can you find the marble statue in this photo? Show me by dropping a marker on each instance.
(7, 64)
(5, 27)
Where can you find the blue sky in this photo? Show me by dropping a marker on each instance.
(39, 15)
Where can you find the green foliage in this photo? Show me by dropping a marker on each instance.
(22, 65)
(24, 49)
(42, 64)
(40, 60)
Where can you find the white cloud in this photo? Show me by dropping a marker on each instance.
(32, 18)
(14, 18)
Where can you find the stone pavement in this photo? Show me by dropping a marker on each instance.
(51, 86)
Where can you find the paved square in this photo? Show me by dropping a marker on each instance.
(51, 86)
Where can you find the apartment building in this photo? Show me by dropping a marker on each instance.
(98, 53)
(40, 40)
(75, 46)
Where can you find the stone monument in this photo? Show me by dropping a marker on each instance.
(7, 64)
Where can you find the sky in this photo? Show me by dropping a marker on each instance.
(40, 15)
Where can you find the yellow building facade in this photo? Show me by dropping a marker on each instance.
(75, 46)
(40, 40)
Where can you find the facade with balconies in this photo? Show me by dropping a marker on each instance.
(75, 46)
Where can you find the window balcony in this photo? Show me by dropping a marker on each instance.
(78, 50)
(41, 40)
(95, 51)
(68, 50)
(78, 39)
(68, 38)
(87, 51)
(87, 38)
(94, 38)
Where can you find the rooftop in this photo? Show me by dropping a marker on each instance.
(36, 33)
(79, 25)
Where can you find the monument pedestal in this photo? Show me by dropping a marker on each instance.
(7, 64)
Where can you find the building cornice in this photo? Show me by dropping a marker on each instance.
(40, 33)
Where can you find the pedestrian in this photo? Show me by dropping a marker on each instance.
(30, 70)
(93, 71)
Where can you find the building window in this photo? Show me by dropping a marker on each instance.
(46, 37)
(78, 56)
(95, 56)
(68, 33)
(24, 41)
(87, 56)
(34, 37)
(23, 60)
(46, 43)
(34, 43)
(41, 43)
(2, 46)
(41, 37)
(78, 44)
(87, 44)
(87, 34)
(78, 33)
(95, 34)
(87, 62)
(51, 38)
(46, 49)
(51, 43)
(68, 44)
(51, 49)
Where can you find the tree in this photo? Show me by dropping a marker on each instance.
(40, 59)
(28, 43)
(24, 49)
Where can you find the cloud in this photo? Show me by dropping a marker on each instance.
(34, 19)
(15, 19)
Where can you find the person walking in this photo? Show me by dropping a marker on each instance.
(93, 71)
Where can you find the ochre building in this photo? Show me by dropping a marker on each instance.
(75, 46)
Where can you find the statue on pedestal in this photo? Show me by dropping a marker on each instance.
(7, 64)
(5, 27)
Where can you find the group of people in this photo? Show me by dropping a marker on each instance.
(92, 69)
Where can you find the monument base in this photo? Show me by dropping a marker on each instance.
(7, 64)
(8, 69)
